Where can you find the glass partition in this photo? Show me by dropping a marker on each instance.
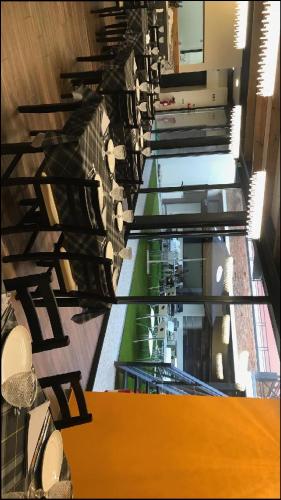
(209, 266)
(218, 344)
(197, 201)
(190, 118)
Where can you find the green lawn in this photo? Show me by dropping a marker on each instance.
(141, 281)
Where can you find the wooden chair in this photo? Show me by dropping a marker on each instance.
(56, 382)
(42, 282)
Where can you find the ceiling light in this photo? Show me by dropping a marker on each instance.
(219, 274)
(269, 48)
(226, 329)
(255, 204)
(235, 130)
(236, 82)
(219, 366)
(241, 18)
(228, 275)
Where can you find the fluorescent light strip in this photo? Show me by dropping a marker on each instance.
(235, 130)
(240, 26)
(269, 48)
(255, 205)
(228, 275)
(226, 329)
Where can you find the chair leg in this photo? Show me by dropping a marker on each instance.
(102, 39)
(94, 76)
(50, 108)
(19, 148)
(106, 10)
(44, 131)
(99, 57)
(115, 25)
(104, 34)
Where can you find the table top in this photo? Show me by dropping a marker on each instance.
(14, 436)
(120, 75)
(83, 159)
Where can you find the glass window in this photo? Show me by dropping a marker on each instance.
(197, 201)
(220, 345)
(191, 32)
(211, 266)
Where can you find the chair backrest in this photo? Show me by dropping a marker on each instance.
(80, 195)
(95, 270)
(56, 382)
(42, 281)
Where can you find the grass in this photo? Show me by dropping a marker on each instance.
(141, 281)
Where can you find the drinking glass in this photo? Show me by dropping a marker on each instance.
(20, 389)
(161, 29)
(146, 151)
(128, 215)
(142, 106)
(154, 65)
(117, 193)
(156, 90)
(125, 253)
(146, 135)
(155, 51)
(60, 489)
(144, 86)
(161, 39)
(120, 152)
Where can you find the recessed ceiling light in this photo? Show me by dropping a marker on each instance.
(219, 274)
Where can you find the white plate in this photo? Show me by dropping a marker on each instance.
(16, 353)
(115, 277)
(138, 90)
(119, 211)
(135, 66)
(103, 216)
(109, 252)
(100, 191)
(52, 461)
(141, 137)
(138, 116)
(111, 157)
(104, 123)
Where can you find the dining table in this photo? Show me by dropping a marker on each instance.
(85, 158)
(15, 475)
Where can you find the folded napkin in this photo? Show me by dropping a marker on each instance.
(105, 121)
(36, 422)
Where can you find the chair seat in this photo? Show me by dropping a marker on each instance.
(69, 282)
(50, 203)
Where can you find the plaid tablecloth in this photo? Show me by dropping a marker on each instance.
(14, 437)
(138, 25)
(83, 159)
(120, 74)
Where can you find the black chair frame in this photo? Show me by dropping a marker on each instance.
(51, 260)
(56, 382)
(42, 282)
